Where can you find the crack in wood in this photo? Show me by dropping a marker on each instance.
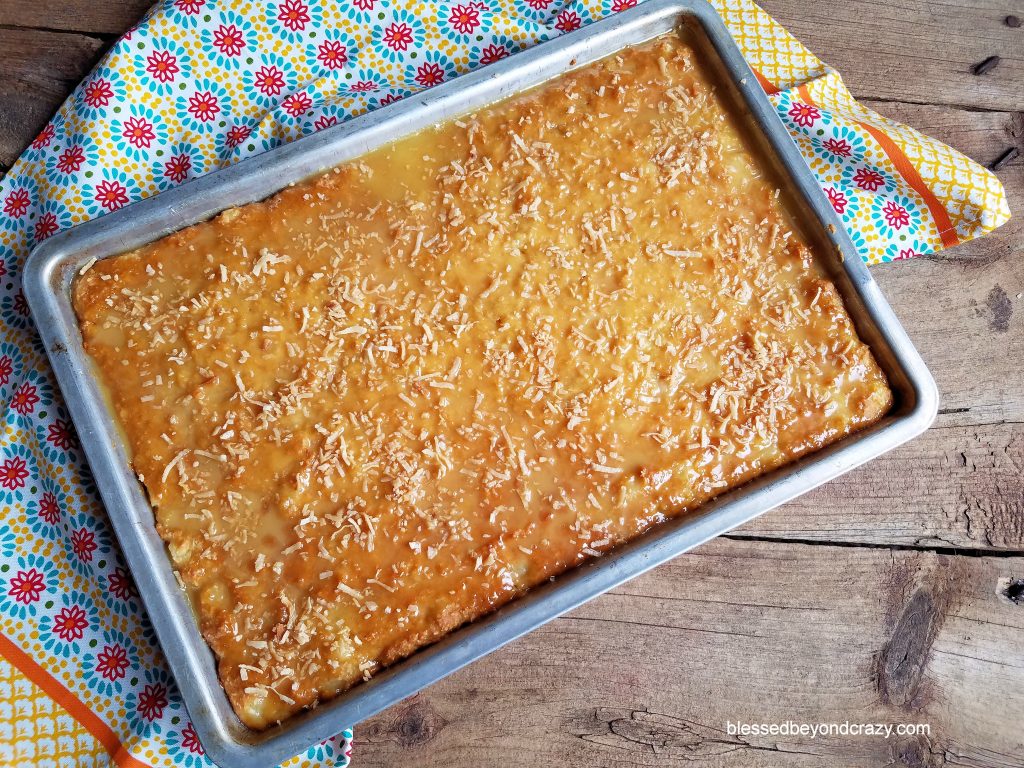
(659, 734)
(101, 36)
(951, 551)
(705, 630)
(869, 100)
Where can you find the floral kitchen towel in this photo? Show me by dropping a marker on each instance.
(201, 84)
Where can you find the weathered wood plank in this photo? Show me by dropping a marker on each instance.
(86, 16)
(956, 486)
(961, 309)
(960, 485)
(748, 630)
(902, 41)
(39, 70)
(915, 50)
(964, 312)
(983, 135)
(741, 631)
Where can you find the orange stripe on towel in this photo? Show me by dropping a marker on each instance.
(71, 703)
(767, 85)
(909, 173)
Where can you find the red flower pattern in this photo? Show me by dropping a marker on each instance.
(138, 132)
(49, 509)
(111, 195)
(868, 180)
(838, 199)
(177, 168)
(25, 399)
(83, 544)
(364, 86)
(204, 106)
(16, 204)
(803, 114)
(364, 5)
(429, 74)
(269, 80)
(112, 662)
(152, 700)
(567, 21)
(6, 368)
(189, 7)
(71, 159)
(27, 587)
(297, 104)
(398, 36)
(840, 147)
(121, 584)
(98, 92)
(70, 623)
(621, 5)
(391, 98)
(46, 225)
(13, 473)
(492, 53)
(332, 54)
(45, 137)
(896, 216)
(229, 40)
(236, 135)
(162, 65)
(325, 121)
(60, 435)
(464, 18)
(21, 304)
(294, 14)
(190, 740)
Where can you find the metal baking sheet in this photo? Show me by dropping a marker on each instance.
(53, 266)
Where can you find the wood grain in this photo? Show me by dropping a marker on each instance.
(848, 604)
(37, 71)
(958, 485)
(915, 50)
(955, 487)
(742, 631)
(88, 16)
(980, 134)
(962, 310)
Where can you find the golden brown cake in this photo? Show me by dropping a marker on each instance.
(386, 401)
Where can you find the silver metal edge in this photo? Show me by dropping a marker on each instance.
(47, 278)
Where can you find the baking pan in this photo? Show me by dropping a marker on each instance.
(52, 267)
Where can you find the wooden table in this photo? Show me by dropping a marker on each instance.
(893, 595)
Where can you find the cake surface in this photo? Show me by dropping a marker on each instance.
(387, 400)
